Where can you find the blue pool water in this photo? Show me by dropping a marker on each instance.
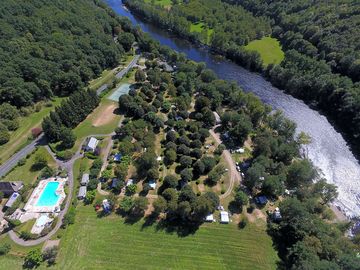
(49, 197)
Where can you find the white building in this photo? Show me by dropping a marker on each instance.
(82, 193)
(224, 217)
(217, 118)
(91, 146)
(84, 179)
(210, 218)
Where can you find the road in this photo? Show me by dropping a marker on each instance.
(234, 174)
(67, 165)
(13, 161)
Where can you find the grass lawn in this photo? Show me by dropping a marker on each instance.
(101, 121)
(163, 3)
(19, 138)
(108, 243)
(269, 49)
(25, 173)
(199, 27)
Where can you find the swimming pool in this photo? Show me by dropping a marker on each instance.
(49, 197)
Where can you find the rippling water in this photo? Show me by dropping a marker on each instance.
(328, 149)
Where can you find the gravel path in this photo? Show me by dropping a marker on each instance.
(234, 174)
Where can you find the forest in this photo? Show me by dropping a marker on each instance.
(322, 60)
(220, 26)
(320, 40)
(52, 48)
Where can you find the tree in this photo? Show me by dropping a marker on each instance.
(40, 160)
(126, 40)
(241, 199)
(139, 206)
(214, 177)
(4, 136)
(300, 173)
(170, 194)
(131, 189)
(170, 181)
(140, 76)
(90, 196)
(50, 255)
(153, 173)
(33, 258)
(170, 156)
(4, 248)
(159, 205)
(186, 175)
(67, 137)
(126, 204)
(1, 196)
(327, 192)
(183, 209)
(185, 161)
(187, 194)
(199, 167)
(273, 185)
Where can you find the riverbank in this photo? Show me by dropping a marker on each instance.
(328, 150)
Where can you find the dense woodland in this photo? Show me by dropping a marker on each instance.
(226, 29)
(53, 48)
(322, 61)
(320, 40)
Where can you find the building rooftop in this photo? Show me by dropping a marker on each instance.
(92, 143)
(82, 191)
(85, 179)
(224, 217)
(12, 199)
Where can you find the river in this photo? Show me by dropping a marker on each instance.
(328, 149)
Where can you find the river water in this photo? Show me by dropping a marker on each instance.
(328, 149)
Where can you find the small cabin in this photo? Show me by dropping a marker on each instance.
(91, 145)
(82, 193)
(84, 179)
(224, 217)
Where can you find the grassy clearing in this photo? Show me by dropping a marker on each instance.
(19, 138)
(269, 50)
(25, 173)
(87, 128)
(163, 3)
(199, 27)
(108, 243)
(106, 76)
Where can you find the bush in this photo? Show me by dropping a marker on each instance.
(69, 217)
(21, 162)
(50, 255)
(4, 249)
(243, 223)
(33, 258)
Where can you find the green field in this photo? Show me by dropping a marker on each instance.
(19, 138)
(199, 27)
(163, 3)
(269, 50)
(25, 173)
(108, 243)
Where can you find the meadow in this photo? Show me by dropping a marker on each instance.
(269, 50)
(163, 3)
(109, 243)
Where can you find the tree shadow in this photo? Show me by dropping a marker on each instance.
(180, 227)
(235, 208)
(149, 220)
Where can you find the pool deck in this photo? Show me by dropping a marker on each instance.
(31, 205)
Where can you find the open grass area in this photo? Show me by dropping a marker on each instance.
(163, 3)
(108, 243)
(199, 28)
(26, 173)
(106, 77)
(269, 49)
(19, 138)
(92, 125)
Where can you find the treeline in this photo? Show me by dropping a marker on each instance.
(59, 124)
(225, 29)
(54, 47)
